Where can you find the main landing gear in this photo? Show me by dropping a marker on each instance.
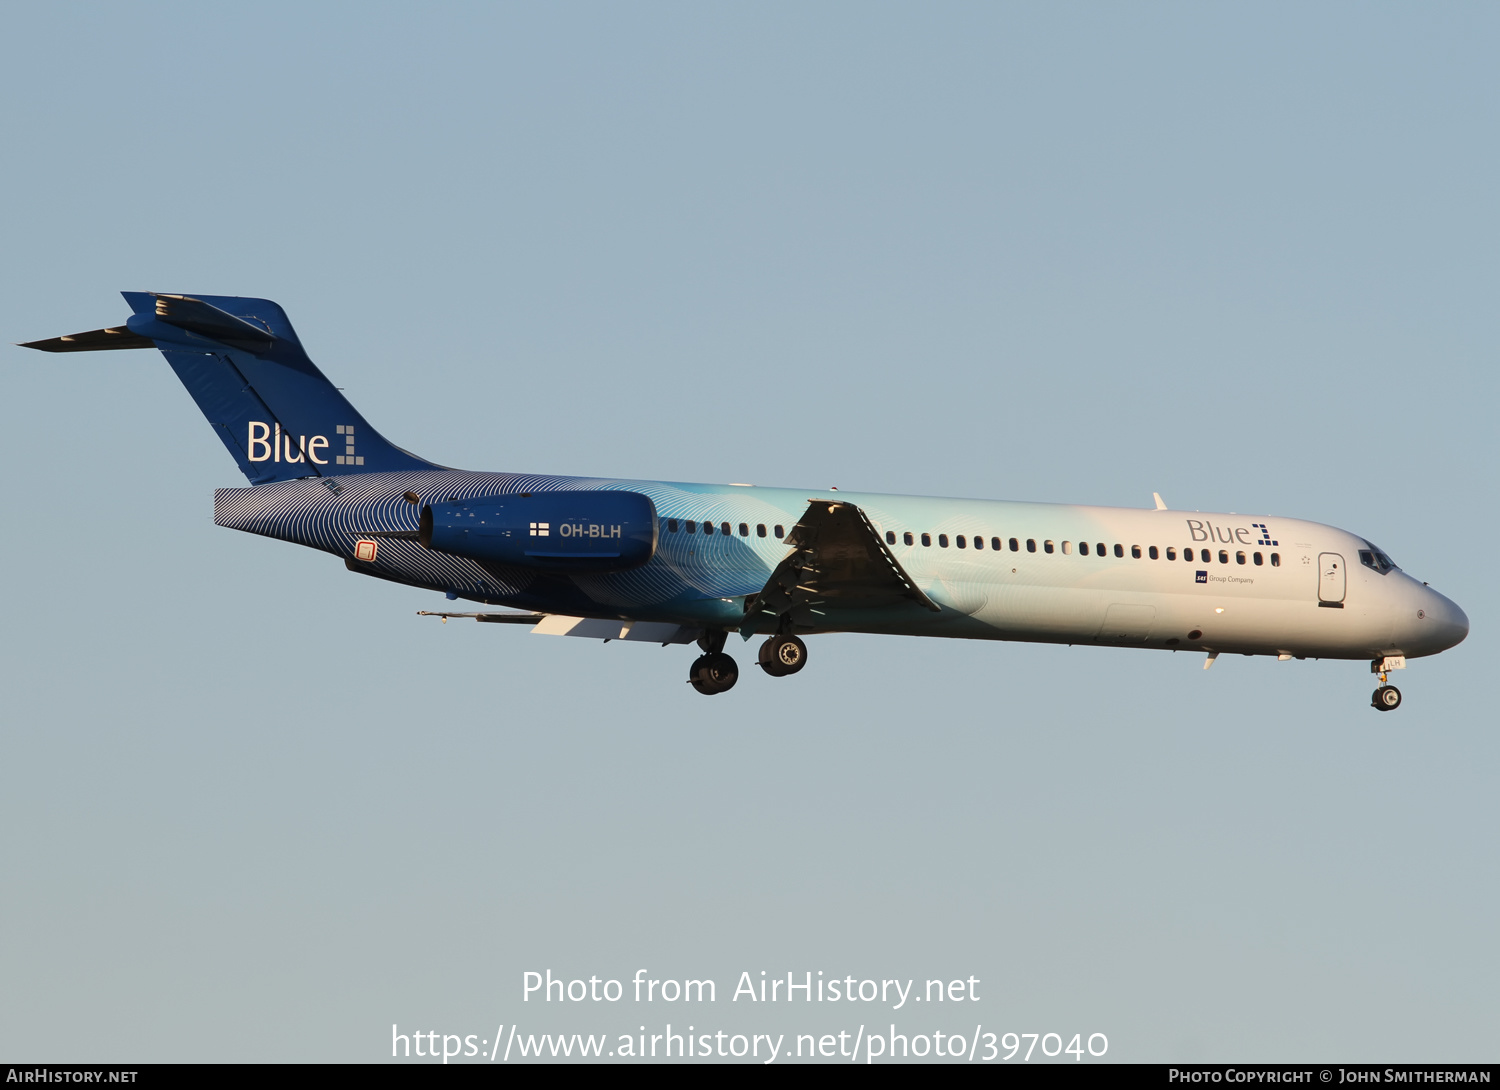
(715, 672)
(783, 655)
(1387, 698)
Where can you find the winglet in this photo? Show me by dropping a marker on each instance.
(1160, 506)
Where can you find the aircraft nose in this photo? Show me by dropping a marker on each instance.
(1441, 622)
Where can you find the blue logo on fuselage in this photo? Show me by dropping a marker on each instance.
(1202, 577)
(1265, 534)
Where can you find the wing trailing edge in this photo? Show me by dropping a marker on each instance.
(837, 563)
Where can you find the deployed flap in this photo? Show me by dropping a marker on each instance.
(837, 562)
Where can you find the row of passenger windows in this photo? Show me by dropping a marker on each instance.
(996, 544)
(1085, 549)
(692, 527)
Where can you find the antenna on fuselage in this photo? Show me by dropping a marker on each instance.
(1160, 506)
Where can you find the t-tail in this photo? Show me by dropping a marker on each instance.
(277, 414)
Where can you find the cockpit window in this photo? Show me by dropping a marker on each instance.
(1374, 558)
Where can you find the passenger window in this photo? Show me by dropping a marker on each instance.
(1102, 550)
(890, 537)
(692, 527)
(906, 537)
(1223, 556)
(1171, 553)
(1015, 546)
(1083, 548)
(744, 530)
(1135, 551)
(760, 529)
(1047, 545)
(1275, 560)
(708, 527)
(1259, 560)
(1119, 551)
(1154, 554)
(960, 542)
(777, 531)
(927, 541)
(978, 542)
(1239, 558)
(672, 525)
(1067, 548)
(943, 540)
(1030, 544)
(724, 528)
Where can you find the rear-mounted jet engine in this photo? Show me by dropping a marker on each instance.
(593, 531)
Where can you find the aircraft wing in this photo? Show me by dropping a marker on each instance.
(837, 563)
(593, 628)
(491, 618)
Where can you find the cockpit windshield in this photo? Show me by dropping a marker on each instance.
(1374, 558)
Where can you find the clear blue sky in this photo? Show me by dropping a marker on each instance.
(254, 808)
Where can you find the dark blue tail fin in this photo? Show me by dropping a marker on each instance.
(280, 418)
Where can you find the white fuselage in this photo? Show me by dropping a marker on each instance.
(1217, 582)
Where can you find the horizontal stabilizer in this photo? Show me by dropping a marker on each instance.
(95, 340)
(207, 320)
(240, 360)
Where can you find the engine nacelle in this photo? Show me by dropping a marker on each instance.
(555, 531)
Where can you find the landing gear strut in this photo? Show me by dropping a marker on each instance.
(1387, 698)
(783, 655)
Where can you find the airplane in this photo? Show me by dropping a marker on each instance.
(675, 563)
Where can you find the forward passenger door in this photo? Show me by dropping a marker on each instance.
(1330, 579)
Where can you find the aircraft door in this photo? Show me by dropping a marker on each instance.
(1330, 579)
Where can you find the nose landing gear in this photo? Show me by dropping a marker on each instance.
(1387, 698)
